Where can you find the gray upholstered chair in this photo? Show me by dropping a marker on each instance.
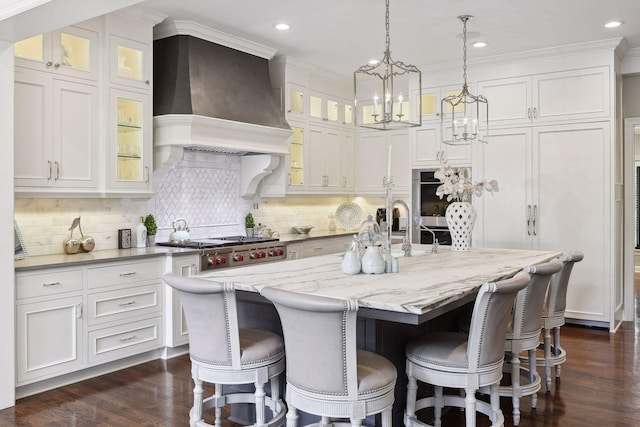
(523, 335)
(326, 375)
(553, 316)
(222, 353)
(471, 362)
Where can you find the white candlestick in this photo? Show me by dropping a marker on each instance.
(389, 164)
(400, 103)
(387, 104)
(375, 103)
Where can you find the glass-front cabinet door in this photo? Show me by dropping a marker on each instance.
(130, 149)
(130, 64)
(72, 52)
(296, 180)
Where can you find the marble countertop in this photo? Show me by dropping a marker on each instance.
(424, 282)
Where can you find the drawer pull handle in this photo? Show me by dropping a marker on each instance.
(51, 284)
(129, 338)
(131, 273)
(122, 304)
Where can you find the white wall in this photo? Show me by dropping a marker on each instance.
(7, 289)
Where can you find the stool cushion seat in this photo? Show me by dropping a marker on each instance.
(258, 347)
(376, 374)
(447, 350)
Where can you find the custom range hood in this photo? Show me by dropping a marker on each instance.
(210, 97)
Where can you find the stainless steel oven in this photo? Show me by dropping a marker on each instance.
(428, 209)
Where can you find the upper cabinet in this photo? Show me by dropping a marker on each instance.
(373, 162)
(72, 52)
(322, 149)
(130, 62)
(83, 110)
(431, 105)
(564, 96)
(428, 150)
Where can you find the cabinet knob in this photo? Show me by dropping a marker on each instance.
(56, 66)
(147, 82)
(48, 64)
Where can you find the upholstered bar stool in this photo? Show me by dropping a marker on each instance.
(326, 375)
(553, 317)
(523, 335)
(222, 353)
(470, 362)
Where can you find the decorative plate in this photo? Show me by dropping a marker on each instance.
(349, 216)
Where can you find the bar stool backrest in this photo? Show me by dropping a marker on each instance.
(557, 297)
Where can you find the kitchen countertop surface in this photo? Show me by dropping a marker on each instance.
(425, 282)
(66, 260)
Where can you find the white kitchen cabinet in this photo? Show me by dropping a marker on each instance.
(125, 309)
(325, 109)
(431, 98)
(427, 150)
(130, 141)
(545, 204)
(323, 159)
(72, 51)
(326, 245)
(56, 133)
(294, 251)
(557, 97)
(347, 159)
(373, 154)
(49, 324)
(130, 62)
(175, 321)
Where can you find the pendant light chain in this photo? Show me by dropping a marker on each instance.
(464, 49)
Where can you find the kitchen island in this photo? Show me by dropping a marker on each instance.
(393, 307)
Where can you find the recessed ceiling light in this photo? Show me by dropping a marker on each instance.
(282, 27)
(374, 61)
(613, 24)
(479, 44)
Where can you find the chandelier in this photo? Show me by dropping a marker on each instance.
(383, 90)
(464, 108)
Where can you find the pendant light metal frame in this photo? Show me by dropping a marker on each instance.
(380, 76)
(465, 132)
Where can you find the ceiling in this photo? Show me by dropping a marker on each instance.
(340, 35)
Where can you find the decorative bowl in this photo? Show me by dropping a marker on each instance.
(304, 229)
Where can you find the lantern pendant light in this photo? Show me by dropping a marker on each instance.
(464, 109)
(383, 90)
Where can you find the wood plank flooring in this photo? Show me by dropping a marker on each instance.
(600, 386)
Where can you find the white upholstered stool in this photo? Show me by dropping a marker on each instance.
(553, 316)
(222, 353)
(471, 362)
(523, 334)
(326, 375)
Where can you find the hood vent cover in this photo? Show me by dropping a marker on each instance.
(210, 97)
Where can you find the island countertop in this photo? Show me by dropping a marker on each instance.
(425, 285)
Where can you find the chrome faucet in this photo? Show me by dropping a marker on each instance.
(434, 246)
(406, 241)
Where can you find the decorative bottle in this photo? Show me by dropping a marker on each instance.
(372, 261)
(351, 260)
(141, 234)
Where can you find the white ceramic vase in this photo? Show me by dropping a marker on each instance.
(372, 261)
(460, 218)
(351, 262)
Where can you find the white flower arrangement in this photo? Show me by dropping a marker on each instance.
(457, 184)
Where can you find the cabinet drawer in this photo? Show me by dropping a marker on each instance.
(125, 340)
(124, 303)
(50, 282)
(317, 247)
(123, 273)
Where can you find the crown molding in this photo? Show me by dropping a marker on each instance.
(170, 28)
(148, 16)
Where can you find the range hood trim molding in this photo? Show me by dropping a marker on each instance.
(169, 28)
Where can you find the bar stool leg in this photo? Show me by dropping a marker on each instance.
(532, 376)
(412, 390)
(292, 417)
(547, 357)
(515, 385)
(438, 405)
(470, 400)
(556, 348)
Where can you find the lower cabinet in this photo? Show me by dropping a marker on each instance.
(49, 338)
(177, 331)
(326, 245)
(69, 319)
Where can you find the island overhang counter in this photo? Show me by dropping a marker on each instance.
(426, 285)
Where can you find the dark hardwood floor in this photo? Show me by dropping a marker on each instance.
(600, 386)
